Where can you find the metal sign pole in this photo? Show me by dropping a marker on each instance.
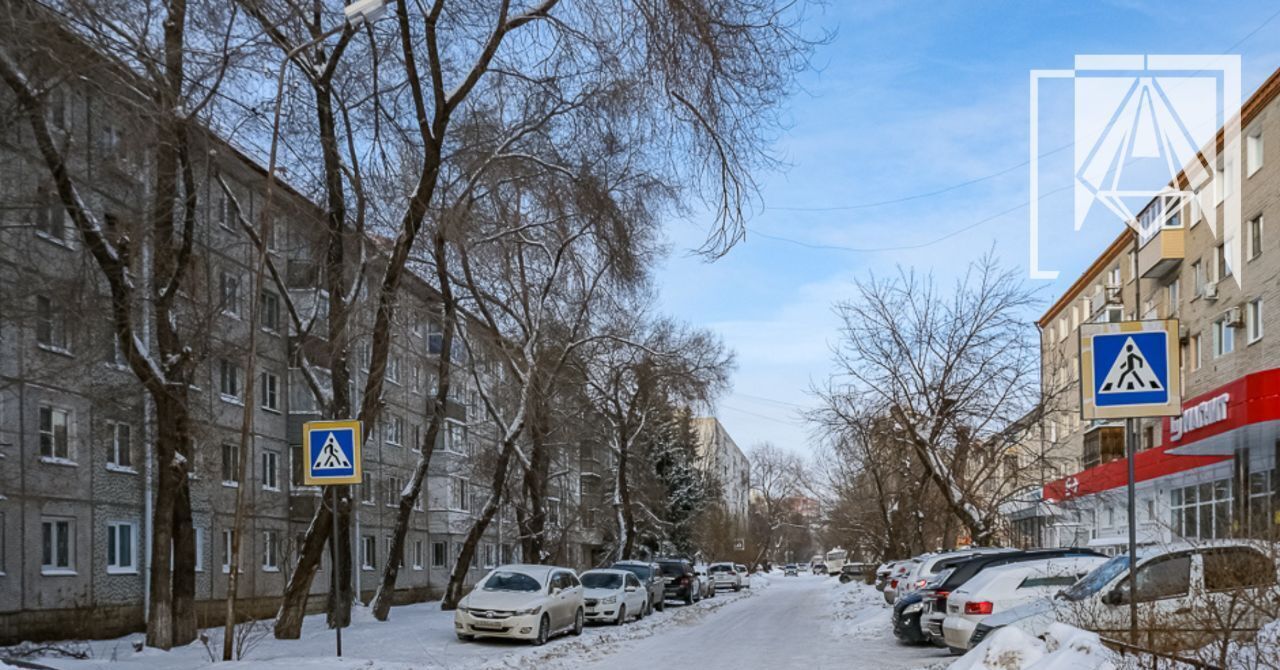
(333, 542)
(1131, 451)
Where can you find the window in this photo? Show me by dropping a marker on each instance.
(51, 325)
(1202, 511)
(270, 551)
(438, 554)
(116, 357)
(394, 486)
(1041, 582)
(229, 379)
(121, 554)
(270, 312)
(1197, 278)
(221, 208)
(271, 471)
(199, 550)
(270, 392)
(1253, 153)
(461, 501)
(417, 378)
(55, 433)
(50, 217)
(1222, 263)
(1174, 291)
(489, 555)
(1224, 337)
(455, 435)
(1231, 568)
(367, 492)
(1164, 578)
(57, 546)
(417, 554)
(58, 108)
(1255, 237)
(1113, 276)
(230, 284)
(393, 430)
(415, 437)
(1193, 348)
(120, 446)
(1253, 319)
(228, 541)
(393, 368)
(230, 464)
(369, 552)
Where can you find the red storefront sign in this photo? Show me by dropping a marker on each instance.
(1251, 399)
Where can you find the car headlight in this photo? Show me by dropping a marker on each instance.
(463, 609)
(913, 608)
(609, 601)
(528, 612)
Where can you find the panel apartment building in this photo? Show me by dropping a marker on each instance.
(719, 456)
(76, 466)
(1211, 472)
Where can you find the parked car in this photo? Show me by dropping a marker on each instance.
(742, 572)
(613, 596)
(934, 602)
(790, 570)
(651, 576)
(1005, 587)
(706, 587)
(681, 582)
(853, 571)
(899, 574)
(723, 576)
(1175, 585)
(883, 573)
(818, 568)
(526, 602)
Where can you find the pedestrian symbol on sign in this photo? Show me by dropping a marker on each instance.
(331, 455)
(1130, 372)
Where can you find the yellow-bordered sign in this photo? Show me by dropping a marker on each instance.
(331, 452)
(1130, 369)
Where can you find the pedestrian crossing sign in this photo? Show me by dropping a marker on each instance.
(331, 452)
(1130, 369)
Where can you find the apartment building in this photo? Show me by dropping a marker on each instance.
(76, 462)
(1212, 471)
(719, 456)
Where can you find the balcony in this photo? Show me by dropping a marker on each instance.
(1162, 253)
(1103, 297)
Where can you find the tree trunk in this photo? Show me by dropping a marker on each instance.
(626, 517)
(185, 628)
(160, 618)
(454, 591)
(294, 602)
(533, 524)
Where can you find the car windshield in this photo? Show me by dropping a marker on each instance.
(601, 580)
(638, 570)
(505, 580)
(1094, 581)
(721, 568)
(672, 569)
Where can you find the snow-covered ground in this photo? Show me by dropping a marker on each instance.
(804, 622)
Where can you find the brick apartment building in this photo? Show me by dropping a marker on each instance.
(1211, 472)
(76, 465)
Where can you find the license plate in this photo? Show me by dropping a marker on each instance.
(481, 626)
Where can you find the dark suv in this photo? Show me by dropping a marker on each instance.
(650, 575)
(681, 582)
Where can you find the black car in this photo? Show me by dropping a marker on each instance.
(908, 607)
(650, 575)
(934, 601)
(681, 582)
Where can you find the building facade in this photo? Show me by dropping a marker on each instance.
(719, 456)
(1211, 472)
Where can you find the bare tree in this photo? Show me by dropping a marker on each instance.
(776, 475)
(952, 374)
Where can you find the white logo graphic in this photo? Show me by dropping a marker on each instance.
(1130, 372)
(1146, 144)
(331, 456)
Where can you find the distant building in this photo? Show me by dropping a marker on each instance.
(718, 455)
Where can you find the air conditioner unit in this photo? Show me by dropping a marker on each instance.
(1211, 292)
(1235, 317)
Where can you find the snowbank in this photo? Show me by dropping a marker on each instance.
(1063, 647)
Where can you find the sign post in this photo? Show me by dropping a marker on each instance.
(331, 456)
(1130, 370)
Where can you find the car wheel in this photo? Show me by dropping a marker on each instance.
(662, 604)
(578, 623)
(736, 588)
(648, 609)
(622, 615)
(544, 631)
(688, 597)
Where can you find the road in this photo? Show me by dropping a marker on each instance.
(800, 622)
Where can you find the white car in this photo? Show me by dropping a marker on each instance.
(1176, 583)
(742, 572)
(897, 578)
(525, 602)
(724, 576)
(1006, 587)
(613, 596)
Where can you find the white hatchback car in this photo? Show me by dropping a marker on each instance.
(724, 576)
(614, 596)
(525, 602)
(1005, 587)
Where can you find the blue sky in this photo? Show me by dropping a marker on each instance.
(911, 98)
